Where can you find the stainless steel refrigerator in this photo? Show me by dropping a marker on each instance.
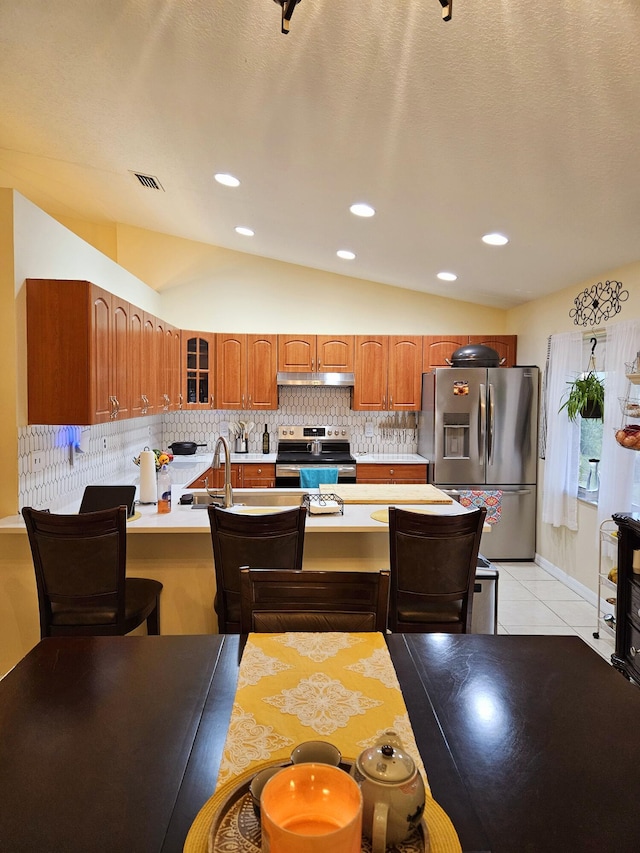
(478, 428)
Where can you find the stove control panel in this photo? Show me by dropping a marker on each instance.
(298, 433)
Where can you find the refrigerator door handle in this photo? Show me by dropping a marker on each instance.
(490, 425)
(482, 426)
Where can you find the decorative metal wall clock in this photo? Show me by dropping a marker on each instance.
(597, 303)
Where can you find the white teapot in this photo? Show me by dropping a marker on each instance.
(393, 793)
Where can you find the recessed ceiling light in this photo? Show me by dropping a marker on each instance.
(495, 239)
(345, 254)
(227, 180)
(447, 276)
(246, 232)
(361, 209)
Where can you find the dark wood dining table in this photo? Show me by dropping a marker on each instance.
(113, 743)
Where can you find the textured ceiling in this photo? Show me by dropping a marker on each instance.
(519, 116)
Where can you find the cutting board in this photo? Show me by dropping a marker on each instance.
(383, 493)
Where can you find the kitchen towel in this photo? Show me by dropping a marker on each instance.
(310, 478)
(148, 482)
(490, 499)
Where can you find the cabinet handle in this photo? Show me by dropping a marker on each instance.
(390, 401)
(242, 404)
(633, 651)
(391, 471)
(145, 403)
(250, 402)
(180, 401)
(211, 404)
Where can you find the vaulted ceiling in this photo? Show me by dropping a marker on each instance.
(517, 116)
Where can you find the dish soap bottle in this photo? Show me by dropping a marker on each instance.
(265, 440)
(164, 490)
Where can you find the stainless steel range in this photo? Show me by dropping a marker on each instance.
(313, 446)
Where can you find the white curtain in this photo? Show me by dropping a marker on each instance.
(617, 463)
(559, 499)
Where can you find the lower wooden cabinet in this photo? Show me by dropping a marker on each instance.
(244, 475)
(367, 472)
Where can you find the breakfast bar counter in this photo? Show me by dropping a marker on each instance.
(175, 548)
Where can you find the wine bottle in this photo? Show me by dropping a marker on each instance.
(265, 440)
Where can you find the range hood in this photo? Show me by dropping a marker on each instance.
(334, 380)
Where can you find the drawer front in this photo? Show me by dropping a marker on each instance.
(384, 473)
(259, 470)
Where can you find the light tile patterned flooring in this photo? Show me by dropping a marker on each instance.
(531, 601)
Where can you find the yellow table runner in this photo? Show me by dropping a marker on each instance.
(295, 687)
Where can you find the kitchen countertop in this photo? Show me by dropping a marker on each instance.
(391, 458)
(184, 519)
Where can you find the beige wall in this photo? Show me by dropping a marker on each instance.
(222, 290)
(575, 553)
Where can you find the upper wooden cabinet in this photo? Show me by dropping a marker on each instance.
(504, 345)
(78, 353)
(388, 372)
(315, 353)
(438, 348)
(246, 371)
(198, 370)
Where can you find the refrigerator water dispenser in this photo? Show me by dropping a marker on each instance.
(456, 436)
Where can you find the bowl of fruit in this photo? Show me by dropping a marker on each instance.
(629, 436)
(163, 457)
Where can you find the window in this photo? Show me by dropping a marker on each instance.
(591, 429)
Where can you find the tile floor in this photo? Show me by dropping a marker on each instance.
(531, 601)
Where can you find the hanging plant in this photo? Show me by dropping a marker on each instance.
(585, 397)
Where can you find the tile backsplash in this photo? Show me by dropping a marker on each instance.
(109, 449)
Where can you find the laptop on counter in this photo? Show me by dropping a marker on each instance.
(106, 497)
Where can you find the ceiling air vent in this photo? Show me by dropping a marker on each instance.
(148, 181)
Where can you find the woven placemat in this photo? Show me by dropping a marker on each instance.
(442, 835)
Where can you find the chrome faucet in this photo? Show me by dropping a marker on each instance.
(227, 492)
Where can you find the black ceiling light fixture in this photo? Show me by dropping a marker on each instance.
(289, 5)
(287, 11)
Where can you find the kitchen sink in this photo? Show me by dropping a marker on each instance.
(250, 498)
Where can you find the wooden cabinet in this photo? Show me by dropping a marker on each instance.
(391, 473)
(258, 476)
(315, 353)
(438, 348)
(367, 472)
(504, 345)
(168, 346)
(198, 370)
(244, 475)
(388, 371)
(246, 371)
(78, 353)
(142, 348)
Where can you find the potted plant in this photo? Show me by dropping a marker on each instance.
(585, 397)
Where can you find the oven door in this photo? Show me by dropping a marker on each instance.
(288, 476)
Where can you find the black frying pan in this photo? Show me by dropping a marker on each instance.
(184, 448)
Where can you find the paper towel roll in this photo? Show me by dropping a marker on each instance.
(148, 482)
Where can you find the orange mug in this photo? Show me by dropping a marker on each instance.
(311, 808)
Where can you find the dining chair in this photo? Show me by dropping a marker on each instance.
(80, 567)
(433, 562)
(273, 540)
(272, 600)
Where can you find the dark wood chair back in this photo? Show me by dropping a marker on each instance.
(273, 600)
(433, 561)
(273, 540)
(80, 567)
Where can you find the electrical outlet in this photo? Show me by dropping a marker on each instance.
(36, 461)
(368, 429)
(105, 442)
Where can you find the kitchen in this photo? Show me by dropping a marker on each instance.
(194, 285)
